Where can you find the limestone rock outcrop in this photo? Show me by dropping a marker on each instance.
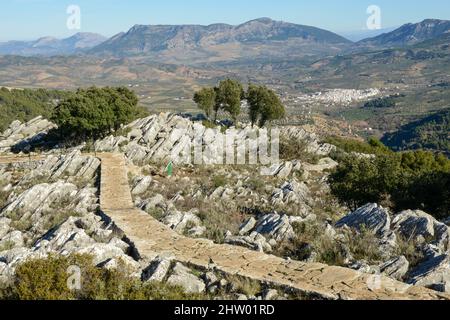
(19, 136)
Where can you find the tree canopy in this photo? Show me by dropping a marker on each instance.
(229, 95)
(95, 112)
(26, 104)
(264, 104)
(206, 100)
(407, 180)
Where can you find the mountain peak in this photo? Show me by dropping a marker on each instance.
(264, 20)
(198, 38)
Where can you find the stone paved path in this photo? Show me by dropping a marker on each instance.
(152, 238)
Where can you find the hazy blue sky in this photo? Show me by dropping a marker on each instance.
(30, 19)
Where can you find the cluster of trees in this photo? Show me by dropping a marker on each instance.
(387, 102)
(430, 132)
(372, 146)
(27, 104)
(408, 180)
(264, 104)
(95, 112)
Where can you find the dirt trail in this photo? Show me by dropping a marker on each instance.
(151, 239)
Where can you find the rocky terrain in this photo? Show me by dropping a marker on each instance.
(50, 205)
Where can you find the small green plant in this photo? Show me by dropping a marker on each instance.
(310, 238)
(244, 286)
(410, 249)
(256, 184)
(219, 181)
(8, 245)
(22, 225)
(209, 124)
(55, 219)
(364, 245)
(296, 150)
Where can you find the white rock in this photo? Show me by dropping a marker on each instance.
(275, 226)
(371, 216)
(247, 226)
(178, 221)
(183, 277)
(13, 239)
(157, 270)
(141, 186)
(4, 226)
(395, 268)
(414, 224)
(433, 273)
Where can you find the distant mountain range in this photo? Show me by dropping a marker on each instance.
(358, 35)
(48, 46)
(410, 34)
(146, 39)
(262, 38)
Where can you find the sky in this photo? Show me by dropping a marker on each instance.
(32, 19)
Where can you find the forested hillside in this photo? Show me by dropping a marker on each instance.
(24, 105)
(431, 132)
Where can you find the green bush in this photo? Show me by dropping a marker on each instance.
(387, 102)
(219, 181)
(411, 180)
(264, 105)
(46, 279)
(292, 149)
(95, 112)
(372, 146)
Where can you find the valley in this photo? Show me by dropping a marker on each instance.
(417, 73)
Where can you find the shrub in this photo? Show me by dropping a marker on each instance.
(296, 150)
(219, 181)
(46, 279)
(387, 102)
(372, 146)
(412, 180)
(27, 104)
(95, 112)
(264, 105)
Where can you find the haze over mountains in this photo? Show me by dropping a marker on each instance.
(48, 46)
(259, 38)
